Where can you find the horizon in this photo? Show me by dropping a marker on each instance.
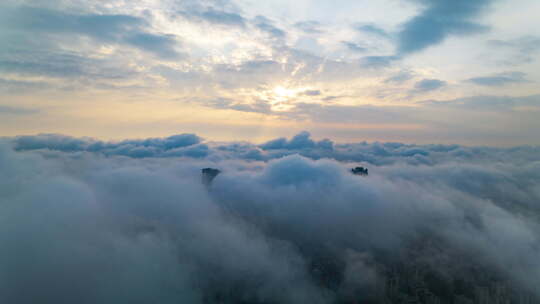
(259, 141)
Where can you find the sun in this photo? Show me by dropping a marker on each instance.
(286, 93)
(280, 97)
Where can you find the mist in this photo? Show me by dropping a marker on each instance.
(85, 221)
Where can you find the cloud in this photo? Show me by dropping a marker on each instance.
(300, 141)
(51, 142)
(258, 106)
(439, 20)
(61, 65)
(522, 49)
(490, 103)
(420, 122)
(158, 241)
(373, 30)
(349, 114)
(312, 93)
(355, 47)
(44, 20)
(425, 121)
(176, 145)
(400, 77)
(192, 146)
(309, 27)
(377, 61)
(288, 230)
(10, 86)
(499, 79)
(266, 25)
(8, 110)
(103, 28)
(161, 45)
(216, 16)
(250, 73)
(427, 85)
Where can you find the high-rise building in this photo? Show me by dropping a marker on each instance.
(208, 175)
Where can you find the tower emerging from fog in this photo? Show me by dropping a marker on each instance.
(360, 171)
(208, 175)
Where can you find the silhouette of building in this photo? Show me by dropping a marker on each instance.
(360, 171)
(208, 175)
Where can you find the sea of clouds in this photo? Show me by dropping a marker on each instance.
(87, 221)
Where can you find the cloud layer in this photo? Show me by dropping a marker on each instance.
(193, 146)
(78, 218)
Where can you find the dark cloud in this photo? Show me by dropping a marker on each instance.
(499, 79)
(104, 29)
(61, 65)
(52, 142)
(223, 17)
(216, 16)
(438, 20)
(266, 25)
(427, 85)
(377, 61)
(43, 20)
(161, 45)
(178, 145)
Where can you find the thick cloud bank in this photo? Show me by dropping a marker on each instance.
(84, 221)
(192, 146)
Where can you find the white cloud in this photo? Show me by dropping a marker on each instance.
(290, 230)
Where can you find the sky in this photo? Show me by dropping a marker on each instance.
(110, 109)
(413, 71)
